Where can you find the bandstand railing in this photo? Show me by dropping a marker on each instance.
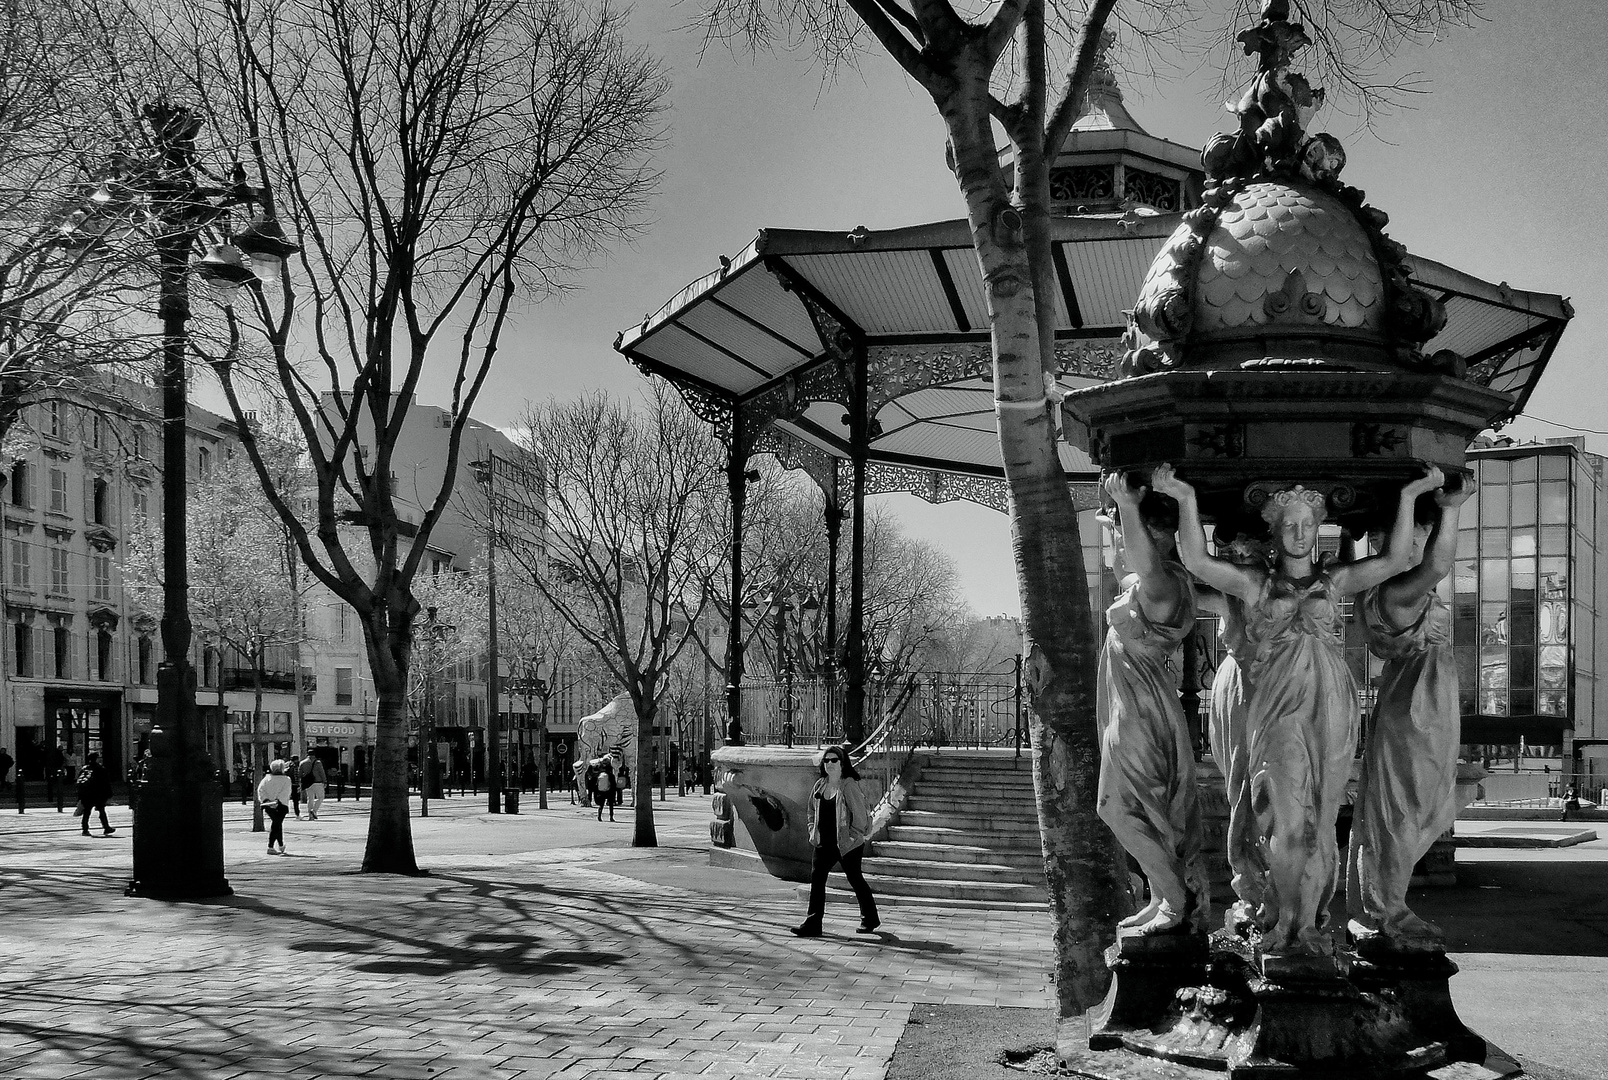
(964, 710)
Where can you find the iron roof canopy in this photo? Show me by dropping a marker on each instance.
(774, 332)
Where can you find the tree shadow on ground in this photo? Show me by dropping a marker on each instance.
(1544, 908)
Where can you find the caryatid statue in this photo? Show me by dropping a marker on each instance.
(1405, 795)
(1147, 790)
(1301, 715)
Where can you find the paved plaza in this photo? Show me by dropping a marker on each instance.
(544, 945)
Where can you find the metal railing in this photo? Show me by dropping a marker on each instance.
(965, 710)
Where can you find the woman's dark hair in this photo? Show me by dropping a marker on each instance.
(849, 771)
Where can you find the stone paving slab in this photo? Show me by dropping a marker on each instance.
(506, 963)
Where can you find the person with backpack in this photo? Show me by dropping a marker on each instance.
(313, 779)
(606, 786)
(94, 788)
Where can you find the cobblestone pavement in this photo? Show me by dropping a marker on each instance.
(540, 945)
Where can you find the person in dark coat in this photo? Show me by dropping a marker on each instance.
(94, 788)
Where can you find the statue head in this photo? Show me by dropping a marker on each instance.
(1294, 515)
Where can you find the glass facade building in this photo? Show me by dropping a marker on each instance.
(1525, 602)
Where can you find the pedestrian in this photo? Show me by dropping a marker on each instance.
(293, 774)
(1571, 804)
(56, 775)
(622, 786)
(313, 779)
(840, 825)
(6, 761)
(274, 792)
(606, 788)
(94, 788)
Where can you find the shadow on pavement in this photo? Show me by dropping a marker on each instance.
(1552, 908)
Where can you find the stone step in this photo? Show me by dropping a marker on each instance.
(1000, 808)
(992, 873)
(937, 888)
(959, 853)
(997, 841)
(950, 819)
(958, 789)
(1001, 773)
(840, 903)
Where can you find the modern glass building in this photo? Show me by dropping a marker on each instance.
(1531, 659)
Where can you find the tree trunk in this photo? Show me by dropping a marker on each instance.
(644, 835)
(1083, 866)
(390, 836)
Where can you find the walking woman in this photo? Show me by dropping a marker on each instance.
(840, 824)
(274, 794)
(607, 788)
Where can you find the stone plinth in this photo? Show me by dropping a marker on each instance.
(767, 789)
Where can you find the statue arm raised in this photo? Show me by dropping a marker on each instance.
(1439, 556)
(1378, 569)
(1220, 574)
(1160, 593)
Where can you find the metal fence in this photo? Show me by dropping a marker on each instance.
(966, 710)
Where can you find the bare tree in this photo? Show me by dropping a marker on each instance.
(436, 161)
(634, 497)
(71, 275)
(1023, 67)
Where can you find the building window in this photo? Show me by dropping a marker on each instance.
(343, 686)
(19, 485)
(143, 655)
(20, 563)
(142, 502)
(136, 440)
(209, 666)
(103, 577)
(103, 655)
(96, 427)
(60, 560)
(22, 650)
(309, 685)
(58, 490)
(98, 501)
(204, 463)
(53, 419)
(63, 642)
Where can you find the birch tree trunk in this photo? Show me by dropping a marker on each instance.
(1088, 891)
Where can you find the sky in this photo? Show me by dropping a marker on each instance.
(1497, 171)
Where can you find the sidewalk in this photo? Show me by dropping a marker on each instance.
(544, 945)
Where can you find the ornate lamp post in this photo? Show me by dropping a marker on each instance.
(178, 819)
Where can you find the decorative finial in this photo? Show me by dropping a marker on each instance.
(1275, 109)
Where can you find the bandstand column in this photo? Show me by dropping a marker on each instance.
(854, 652)
(737, 488)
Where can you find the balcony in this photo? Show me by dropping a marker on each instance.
(272, 680)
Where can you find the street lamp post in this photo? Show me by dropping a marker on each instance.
(486, 473)
(178, 817)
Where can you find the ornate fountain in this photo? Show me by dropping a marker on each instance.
(1278, 340)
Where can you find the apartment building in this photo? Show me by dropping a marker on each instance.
(78, 666)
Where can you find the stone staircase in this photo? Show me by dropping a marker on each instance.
(967, 837)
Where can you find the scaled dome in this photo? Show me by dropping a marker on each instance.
(1281, 261)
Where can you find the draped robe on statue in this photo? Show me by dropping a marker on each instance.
(1301, 729)
(1405, 798)
(1226, 719)
(1147, 792)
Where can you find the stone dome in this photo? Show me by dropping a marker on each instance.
(1267, 233)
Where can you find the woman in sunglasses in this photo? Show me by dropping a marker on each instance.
(840, 824)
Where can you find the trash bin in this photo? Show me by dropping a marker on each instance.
(510, 800)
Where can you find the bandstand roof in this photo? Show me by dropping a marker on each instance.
(758, 335)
